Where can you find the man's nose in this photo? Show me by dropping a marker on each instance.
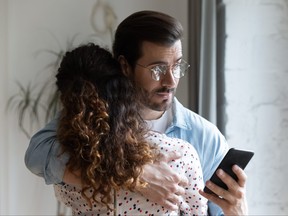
(168, 79)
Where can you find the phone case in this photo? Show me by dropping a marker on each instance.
(232, 157)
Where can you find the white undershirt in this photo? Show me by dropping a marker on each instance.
(161, 124)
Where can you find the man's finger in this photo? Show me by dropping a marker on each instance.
(184, 181)
(180, 191)
(175, 199)
(169, 205)
(240, 175)
(169, 156)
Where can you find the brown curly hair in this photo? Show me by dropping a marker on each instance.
(100, 126)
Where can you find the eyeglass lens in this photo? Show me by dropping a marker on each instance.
(178, 70)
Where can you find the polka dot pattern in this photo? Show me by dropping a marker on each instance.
(129, 203)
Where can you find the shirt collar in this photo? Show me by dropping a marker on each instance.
(181, 118)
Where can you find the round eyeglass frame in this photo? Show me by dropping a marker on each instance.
(161, 69)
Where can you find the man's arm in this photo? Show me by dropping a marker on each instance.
(43, 156)
(164, 186)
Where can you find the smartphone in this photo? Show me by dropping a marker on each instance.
(232, 157)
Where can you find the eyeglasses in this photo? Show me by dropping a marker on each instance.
(178, 70)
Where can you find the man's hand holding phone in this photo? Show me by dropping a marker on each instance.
(226, 187)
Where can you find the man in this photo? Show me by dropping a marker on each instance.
(149, 49)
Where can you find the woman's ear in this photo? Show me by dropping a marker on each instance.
(125, 67)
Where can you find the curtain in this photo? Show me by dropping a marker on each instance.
(206, 56)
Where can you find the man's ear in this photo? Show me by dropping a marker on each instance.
(125, 67)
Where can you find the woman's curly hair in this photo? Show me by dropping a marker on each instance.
(100, 126)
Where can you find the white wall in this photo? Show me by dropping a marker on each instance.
(257, 97)
(3, 96)
(26, 27)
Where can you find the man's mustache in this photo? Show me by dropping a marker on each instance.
(165, 90)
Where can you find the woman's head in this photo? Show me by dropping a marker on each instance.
(100, 127)
(87, 63)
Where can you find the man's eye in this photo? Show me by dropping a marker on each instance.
(176, 66)
(157, 69)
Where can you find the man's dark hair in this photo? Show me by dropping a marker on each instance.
(151, 26)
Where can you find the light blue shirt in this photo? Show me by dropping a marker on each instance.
(43, 156)
(209, 143)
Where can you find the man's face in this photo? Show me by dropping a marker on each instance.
(157, 95)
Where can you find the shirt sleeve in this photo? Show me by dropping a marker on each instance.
(214, 210)
(216, 151)
(43, 156)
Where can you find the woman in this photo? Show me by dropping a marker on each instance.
(108, 142)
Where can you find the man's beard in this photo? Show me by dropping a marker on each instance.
(146, 99)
